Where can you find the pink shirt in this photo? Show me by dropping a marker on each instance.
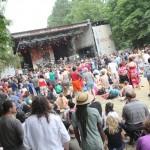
(122, 71)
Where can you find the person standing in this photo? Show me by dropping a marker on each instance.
(87, 121)
(146, 56)
(64, 79)
(44, 130)
(11, 131)
(122, 74)
(132, 73)
(43, 85)
(112, 66)
(147, 73)
(76, 80)
(35, 83)
(104, 80)
(89, 80)
(52, 77)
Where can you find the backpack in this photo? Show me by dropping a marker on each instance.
(58, 89)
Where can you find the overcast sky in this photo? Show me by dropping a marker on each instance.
(28, 14)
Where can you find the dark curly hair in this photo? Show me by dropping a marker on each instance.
(146, 125)
(82, 117)
(40, 107)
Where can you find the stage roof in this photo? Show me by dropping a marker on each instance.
(39, 32)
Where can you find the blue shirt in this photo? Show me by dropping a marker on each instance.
(114, 91)
(16, 100)
(13, 86)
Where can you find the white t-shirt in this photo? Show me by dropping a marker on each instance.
(145, 57)
(41, 135)
(104, 117)
(113, 114)
(47, 75)
(96, 72)
(113, 67)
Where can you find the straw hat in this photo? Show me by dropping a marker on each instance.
(84, 98)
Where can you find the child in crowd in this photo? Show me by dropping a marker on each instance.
(114, 134)
(109, 111)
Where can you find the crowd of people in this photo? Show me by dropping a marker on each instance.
(43, 109)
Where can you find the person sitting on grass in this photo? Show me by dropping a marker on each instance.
(127, 87)
(114, 92)
(134, 113)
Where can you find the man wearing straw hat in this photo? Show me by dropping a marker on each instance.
(87, 122)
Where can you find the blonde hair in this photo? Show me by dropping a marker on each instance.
(112, 125)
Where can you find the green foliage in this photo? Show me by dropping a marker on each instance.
(7, 58)
(60, 11)
(86, 9)
(67, 12)
(5, 39)
(130, 21)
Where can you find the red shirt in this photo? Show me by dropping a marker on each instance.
(75, 76)
(42, 83)
(88, 66)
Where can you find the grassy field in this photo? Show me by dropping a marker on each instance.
(142, 95)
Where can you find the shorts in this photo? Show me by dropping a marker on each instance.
(43, 90)
(114, 76)
(90, 86)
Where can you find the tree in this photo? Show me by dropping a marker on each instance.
(61, 9)
(130, 21)
(86, 9)
(68, 12)
(7, 58)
